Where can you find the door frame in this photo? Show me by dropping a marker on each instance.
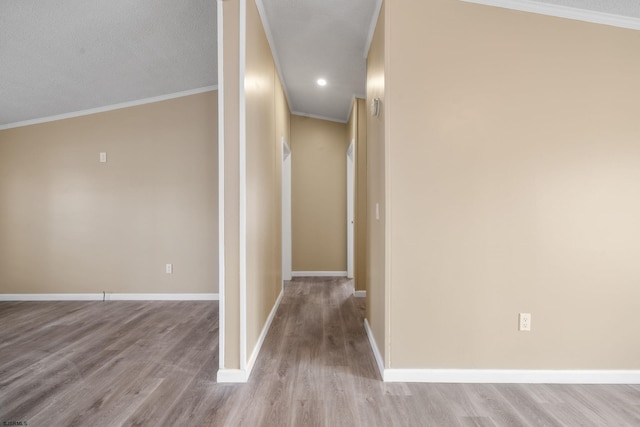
(351, 208)
(286, 212)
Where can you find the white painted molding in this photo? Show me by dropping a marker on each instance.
(162, 297)
(51, 297)
(231, 376)
(372, 28)
(221, 182)
(319, 274)
(360, 294)
(274, 53)
(499, 376)
(242, 375)
(242, 168)
(265, 330)
(564, 12)
(315, 116)
(109, 107)
(109, 297)
(512, 376)
(374, 348)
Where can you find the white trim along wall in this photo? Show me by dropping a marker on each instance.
(372, 29)
(242, 167)
(221, 193)
(500, 376)
(109, 107)
(560, 11)
(109, 296)
(319, 274)
(242, 375)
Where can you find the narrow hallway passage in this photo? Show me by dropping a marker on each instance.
(316, 365)
(316, 368)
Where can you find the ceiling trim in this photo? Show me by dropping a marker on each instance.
(316, 116)
(372, 27)
(274, 53)
(108, 107)
(564, 12)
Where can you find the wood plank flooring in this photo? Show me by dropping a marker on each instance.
(154, 364)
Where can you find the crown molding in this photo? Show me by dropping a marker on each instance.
(372, 28)
(564, 12)
(109, 107)
(319, 117)
(274, 53)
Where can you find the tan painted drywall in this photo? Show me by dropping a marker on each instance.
(264, 118)
(319, 194)
(265, 122)
(357, 127)
(69, 224)
(514, 176)
(230, 116)
(376, 258)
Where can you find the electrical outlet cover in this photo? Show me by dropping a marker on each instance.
(524, 322)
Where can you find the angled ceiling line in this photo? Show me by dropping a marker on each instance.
(319, 117)
(112, 107)
(561, 11)
(274, 52)
(311, 41)
(372, 28)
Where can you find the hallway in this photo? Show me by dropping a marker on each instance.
(316, 368)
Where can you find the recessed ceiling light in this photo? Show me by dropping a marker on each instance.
(322, 82)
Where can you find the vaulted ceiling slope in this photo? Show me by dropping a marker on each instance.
(61, 57)
(329, 39)
(314, 39)
(71, 55)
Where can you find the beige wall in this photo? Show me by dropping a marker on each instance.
(264, 118)
(357, 127)
(69, 224)
(319, 194)
(377, 291)
(265, 122)
(229, 82)
(514, 169)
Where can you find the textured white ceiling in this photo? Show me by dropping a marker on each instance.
(72, 55)
(321, 38)
(63, 56)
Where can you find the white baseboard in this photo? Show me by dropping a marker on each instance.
(242, 375)
(319, 274)
(109, 297)
(499, 376)
(512, 376)
(374, 347)
(256, 350)
(360, 294)
(232, 376)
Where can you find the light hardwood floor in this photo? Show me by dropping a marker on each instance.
(154, 363)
